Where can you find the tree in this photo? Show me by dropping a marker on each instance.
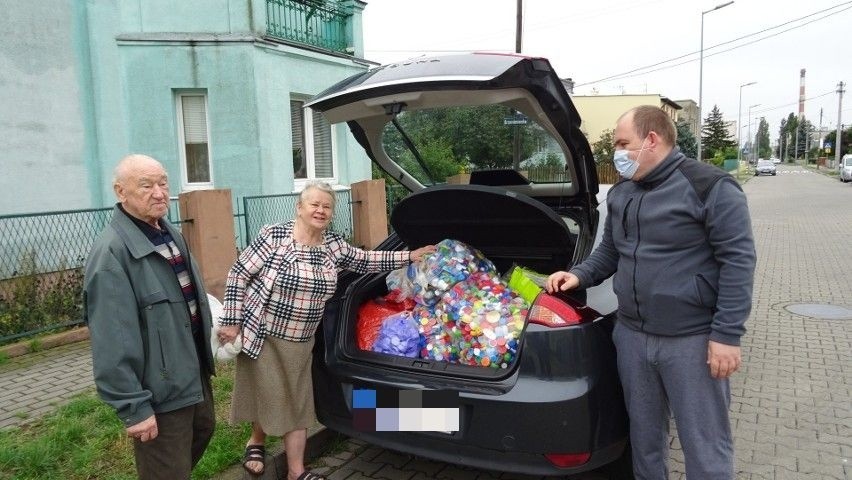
(782, 128)
(686, 140)
(791, 129)
(714, 134)
(603, 149)
(846, 144)
(804, 131)
(787, 134)
(764, 150)
(477, 134)
(437, 154)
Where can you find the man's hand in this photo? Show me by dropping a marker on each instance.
(228, 333)
(561, 281)
(723, 359)
(145, 430)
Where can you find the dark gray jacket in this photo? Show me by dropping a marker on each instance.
(144, 355)
(680, 245)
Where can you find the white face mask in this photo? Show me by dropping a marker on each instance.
(625, 166)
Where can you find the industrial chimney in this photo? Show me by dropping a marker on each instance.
(801, 94)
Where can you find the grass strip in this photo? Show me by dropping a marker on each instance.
(85, 440)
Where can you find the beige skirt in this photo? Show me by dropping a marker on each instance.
(276, 389)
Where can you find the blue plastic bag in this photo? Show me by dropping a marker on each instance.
(398, 336)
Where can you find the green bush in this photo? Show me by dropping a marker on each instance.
(718, 159)
(33, 300)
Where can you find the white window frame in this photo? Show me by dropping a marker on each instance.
(184, 180)
(310, 162)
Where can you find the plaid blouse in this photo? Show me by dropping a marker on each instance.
(279, 287)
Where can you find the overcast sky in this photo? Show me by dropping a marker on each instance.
(591, 40)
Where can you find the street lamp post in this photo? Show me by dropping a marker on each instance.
(701, 75)
(749, 128)
(739, 122)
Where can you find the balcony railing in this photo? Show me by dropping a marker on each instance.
(320, 23)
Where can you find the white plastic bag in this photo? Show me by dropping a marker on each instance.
(228, 351)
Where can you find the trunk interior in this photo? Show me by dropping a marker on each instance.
(508, 228)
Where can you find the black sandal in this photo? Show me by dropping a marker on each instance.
(255, 453)
(306, 475)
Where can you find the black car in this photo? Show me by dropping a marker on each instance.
(557, 408)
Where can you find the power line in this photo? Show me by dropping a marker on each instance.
(764, 110)
(640, 69)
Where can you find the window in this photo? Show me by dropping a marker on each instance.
(313, 146)
(193, 136)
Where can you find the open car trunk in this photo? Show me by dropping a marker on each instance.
(507, 227)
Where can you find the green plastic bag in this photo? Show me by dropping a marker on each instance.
(526, 283)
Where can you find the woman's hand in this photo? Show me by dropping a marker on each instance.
(417, 255)
(228, 333)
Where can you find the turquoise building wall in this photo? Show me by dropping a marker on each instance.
(101, 83)
(43, 137)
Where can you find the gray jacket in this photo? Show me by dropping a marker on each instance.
(144, 355)
(680, 245)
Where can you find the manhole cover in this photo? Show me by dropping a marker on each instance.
(820, 310)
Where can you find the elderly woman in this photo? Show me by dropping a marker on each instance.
(275, 295)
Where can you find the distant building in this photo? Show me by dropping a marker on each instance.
(215, 89)
(731, 128)
(600, 112)
(689, 114)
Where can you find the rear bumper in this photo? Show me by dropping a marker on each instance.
(454, 449)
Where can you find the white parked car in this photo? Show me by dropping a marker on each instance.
(845, 168)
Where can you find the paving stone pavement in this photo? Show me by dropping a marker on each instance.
(34, 384)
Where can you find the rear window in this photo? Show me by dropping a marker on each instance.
(453, 140)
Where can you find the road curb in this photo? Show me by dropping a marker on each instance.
(63, 338)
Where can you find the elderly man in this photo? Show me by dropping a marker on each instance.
(150, 323)
(678, 240)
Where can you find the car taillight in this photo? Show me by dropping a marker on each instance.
(568, 459)
(551, 311)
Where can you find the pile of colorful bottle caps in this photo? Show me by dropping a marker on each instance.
(477, 322)
(464, 312)
(451, 263)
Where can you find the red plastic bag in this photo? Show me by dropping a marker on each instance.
(372, 314)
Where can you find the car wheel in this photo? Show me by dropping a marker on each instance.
(773, 174)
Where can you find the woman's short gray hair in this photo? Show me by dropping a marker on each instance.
(321, 186)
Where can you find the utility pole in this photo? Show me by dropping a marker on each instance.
(796, 151)
(519, 26)
(839, 136)
(516, 134)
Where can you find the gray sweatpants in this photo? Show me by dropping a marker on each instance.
(670, 374)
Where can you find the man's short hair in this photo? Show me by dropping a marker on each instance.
(647, 118)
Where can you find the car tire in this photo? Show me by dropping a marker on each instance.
(774, 174)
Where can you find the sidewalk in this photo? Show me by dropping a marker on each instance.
(34, 384)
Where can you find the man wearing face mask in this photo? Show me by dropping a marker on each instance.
(678, 241)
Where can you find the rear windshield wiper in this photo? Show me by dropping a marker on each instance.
(394, 110)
